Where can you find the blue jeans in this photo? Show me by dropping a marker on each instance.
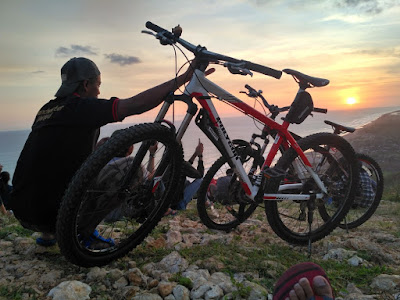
(188, 193)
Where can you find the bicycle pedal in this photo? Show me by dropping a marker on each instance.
(302, 216)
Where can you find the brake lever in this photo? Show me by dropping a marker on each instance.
(251, 94)
(148, 32)
(237, 69)
(159, 36)
(163, 39)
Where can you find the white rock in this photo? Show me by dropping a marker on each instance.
(214, 293)
(386, 282)
(71, 290)
(181, 292)
(173, 263)
(355, 261)
(339, 254)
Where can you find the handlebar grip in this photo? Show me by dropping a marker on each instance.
(250, 88)
(264, 70)
(283, 109)
(154, 27)
(320, 110)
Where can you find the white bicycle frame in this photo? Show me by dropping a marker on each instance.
(199, 87)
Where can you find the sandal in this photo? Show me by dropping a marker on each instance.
(170, 212)
(96, 242)
(292, 276)
(45, 243)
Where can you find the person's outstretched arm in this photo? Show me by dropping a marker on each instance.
(198, 152)
(152, 97)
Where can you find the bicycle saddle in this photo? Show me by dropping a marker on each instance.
(340, 127)
(306, 80)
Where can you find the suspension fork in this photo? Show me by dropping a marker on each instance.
(190, 113)
(162, 169)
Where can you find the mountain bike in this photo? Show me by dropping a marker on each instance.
(289, 219)
(90, 198)
(370, 186)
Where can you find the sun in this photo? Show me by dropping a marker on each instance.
(351, 100)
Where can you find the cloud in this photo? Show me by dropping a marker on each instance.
(122, 60)
(389, 52)
(348, 18)
(368, 7)
(393, 69)
(75, 50)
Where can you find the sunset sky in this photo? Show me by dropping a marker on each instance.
(353, 43)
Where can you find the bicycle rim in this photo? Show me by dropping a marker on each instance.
(117, 199)
(366, 202)
(227, 208)
(301, 222)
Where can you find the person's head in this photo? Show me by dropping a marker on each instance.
(5, 177)
(80, 75)
(130, 150)
(124, 151)
(101, 142)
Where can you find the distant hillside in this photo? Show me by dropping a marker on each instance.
(381, 140)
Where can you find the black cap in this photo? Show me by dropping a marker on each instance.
(74, 72)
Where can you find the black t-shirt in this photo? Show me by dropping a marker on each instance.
(63, 135)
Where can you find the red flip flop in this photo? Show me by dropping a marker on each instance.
(292, 276)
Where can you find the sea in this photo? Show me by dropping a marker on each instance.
(241, 127)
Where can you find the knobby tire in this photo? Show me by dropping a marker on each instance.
(126, 215)
(359, 214)
(289, 219)
(234, 208)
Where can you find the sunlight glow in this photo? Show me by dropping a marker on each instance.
(351, 100)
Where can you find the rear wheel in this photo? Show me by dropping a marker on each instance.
(111, 205)
(368, 195)
(333, 160)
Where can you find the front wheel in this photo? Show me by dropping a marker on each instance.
(222, 203)
(369, 193)
(113, 203)
(333, 159)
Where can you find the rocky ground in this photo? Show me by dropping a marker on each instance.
(28, 271)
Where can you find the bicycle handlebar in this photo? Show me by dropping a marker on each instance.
(251, 90)
(273, 108)
(167, 37)
(263, 69)
(155, 27)
(320, 110)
